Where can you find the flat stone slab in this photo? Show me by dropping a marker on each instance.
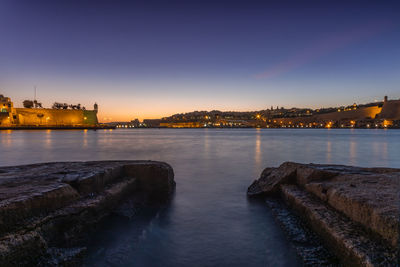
(371, 200)
(368, 197)
(47, 207)
(342, 234)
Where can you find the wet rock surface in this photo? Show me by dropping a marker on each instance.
(47, 211)
(308, 245)
(354, 211)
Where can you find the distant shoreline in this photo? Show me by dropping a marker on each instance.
(172, 128)
(291, 128)
(264, 128)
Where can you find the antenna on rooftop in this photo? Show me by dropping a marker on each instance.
(34, 98)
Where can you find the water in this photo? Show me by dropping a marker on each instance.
(209, 221)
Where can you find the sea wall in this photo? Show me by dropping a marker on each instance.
(355, 211)
(48, 210)
(54, 117)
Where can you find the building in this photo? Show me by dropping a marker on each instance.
(7, 114)
(5, 104)
(41, 117)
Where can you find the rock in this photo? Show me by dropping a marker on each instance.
(305, 174)
(371, 200)
(49, 209)
(344, 237)
(333, 197)
(307, 244)
(255, 188)
(272, 178)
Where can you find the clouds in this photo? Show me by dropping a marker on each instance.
(327, 45)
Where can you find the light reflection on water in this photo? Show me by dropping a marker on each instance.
(329, 152)
(5, 138)
(257, 151)
(48, 140)
(209, 222)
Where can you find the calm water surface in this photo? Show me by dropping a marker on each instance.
(209, 221)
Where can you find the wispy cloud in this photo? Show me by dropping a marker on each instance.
(326, 46)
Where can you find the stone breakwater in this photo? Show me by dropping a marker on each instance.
(47, 210)
(354, 211)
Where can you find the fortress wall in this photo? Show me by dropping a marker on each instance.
(391, 110)
(54, 117)
(358, 114)
(4, 119)
(91, 117)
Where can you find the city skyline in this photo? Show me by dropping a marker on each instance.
(153, 59)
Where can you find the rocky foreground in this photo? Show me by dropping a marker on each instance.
(47, 210)
(353, 211)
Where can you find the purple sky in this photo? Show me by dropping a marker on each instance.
(147, 59)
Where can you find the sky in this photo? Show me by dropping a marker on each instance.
(150, 59)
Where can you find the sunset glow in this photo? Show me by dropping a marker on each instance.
(140, 60)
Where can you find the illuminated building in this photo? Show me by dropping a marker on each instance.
(41, 117)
